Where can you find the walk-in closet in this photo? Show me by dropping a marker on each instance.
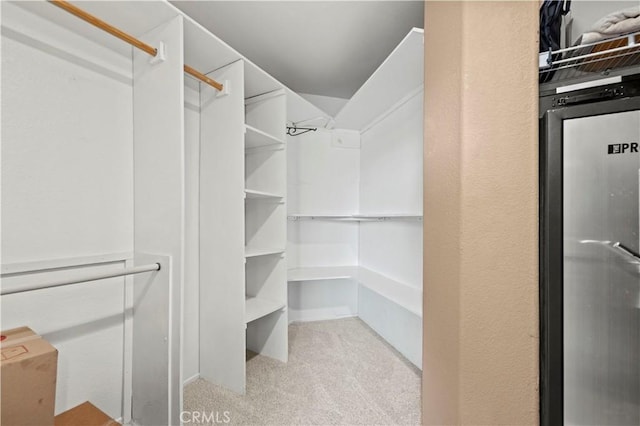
(194, 237)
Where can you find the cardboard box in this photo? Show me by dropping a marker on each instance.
(85, 414)
(28, 373)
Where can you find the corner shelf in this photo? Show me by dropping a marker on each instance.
(255, 138)
(406, 296)
(388, 216)
(322, 273)
(256, 308)
(318, 217)
(254, 194)
(358, 217)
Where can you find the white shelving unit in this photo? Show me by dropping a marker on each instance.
(243, 284)
(266, 225)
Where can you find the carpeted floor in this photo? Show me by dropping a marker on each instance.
(339, 372)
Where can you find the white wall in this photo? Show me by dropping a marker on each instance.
(67, 165)
(390, 162)
(67, 191)
(323, 299)
(391, 182)
(322, 243)
(322, 179)
(393, 248)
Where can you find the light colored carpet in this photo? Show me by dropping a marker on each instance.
(339, 372)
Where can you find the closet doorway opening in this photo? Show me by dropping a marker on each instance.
(331, 282)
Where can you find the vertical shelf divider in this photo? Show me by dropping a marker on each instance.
(222, 269)
(158, 98)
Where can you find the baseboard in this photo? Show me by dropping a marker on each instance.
(324, 313)
(320, 317)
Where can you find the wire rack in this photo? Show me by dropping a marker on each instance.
(586, 59)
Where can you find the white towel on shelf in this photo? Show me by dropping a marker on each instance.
(615, 24)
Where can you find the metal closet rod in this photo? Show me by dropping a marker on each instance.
(89, 277)
(99, 23)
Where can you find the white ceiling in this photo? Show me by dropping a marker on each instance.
(319, 47)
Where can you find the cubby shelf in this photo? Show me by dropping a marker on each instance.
(261, 251)
(254, 194)
(256, 138)
(256, 308)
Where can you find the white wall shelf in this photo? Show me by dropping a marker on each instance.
(254, 194)
(358, 217)
(322, 273)
(256, 308)
(261, 251)
(318, 217)
(265, 224)
(403, 295)
(256, 138)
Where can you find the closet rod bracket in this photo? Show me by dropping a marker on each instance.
(161, 54)
(226, 89)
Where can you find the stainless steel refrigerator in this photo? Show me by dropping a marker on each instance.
(590, 261)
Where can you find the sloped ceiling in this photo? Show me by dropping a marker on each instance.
(324, 48)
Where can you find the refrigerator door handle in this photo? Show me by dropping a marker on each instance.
(626, 250)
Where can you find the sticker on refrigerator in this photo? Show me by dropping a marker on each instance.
(622, 148)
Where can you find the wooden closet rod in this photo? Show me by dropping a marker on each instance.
(202, 77)
(97, 22)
